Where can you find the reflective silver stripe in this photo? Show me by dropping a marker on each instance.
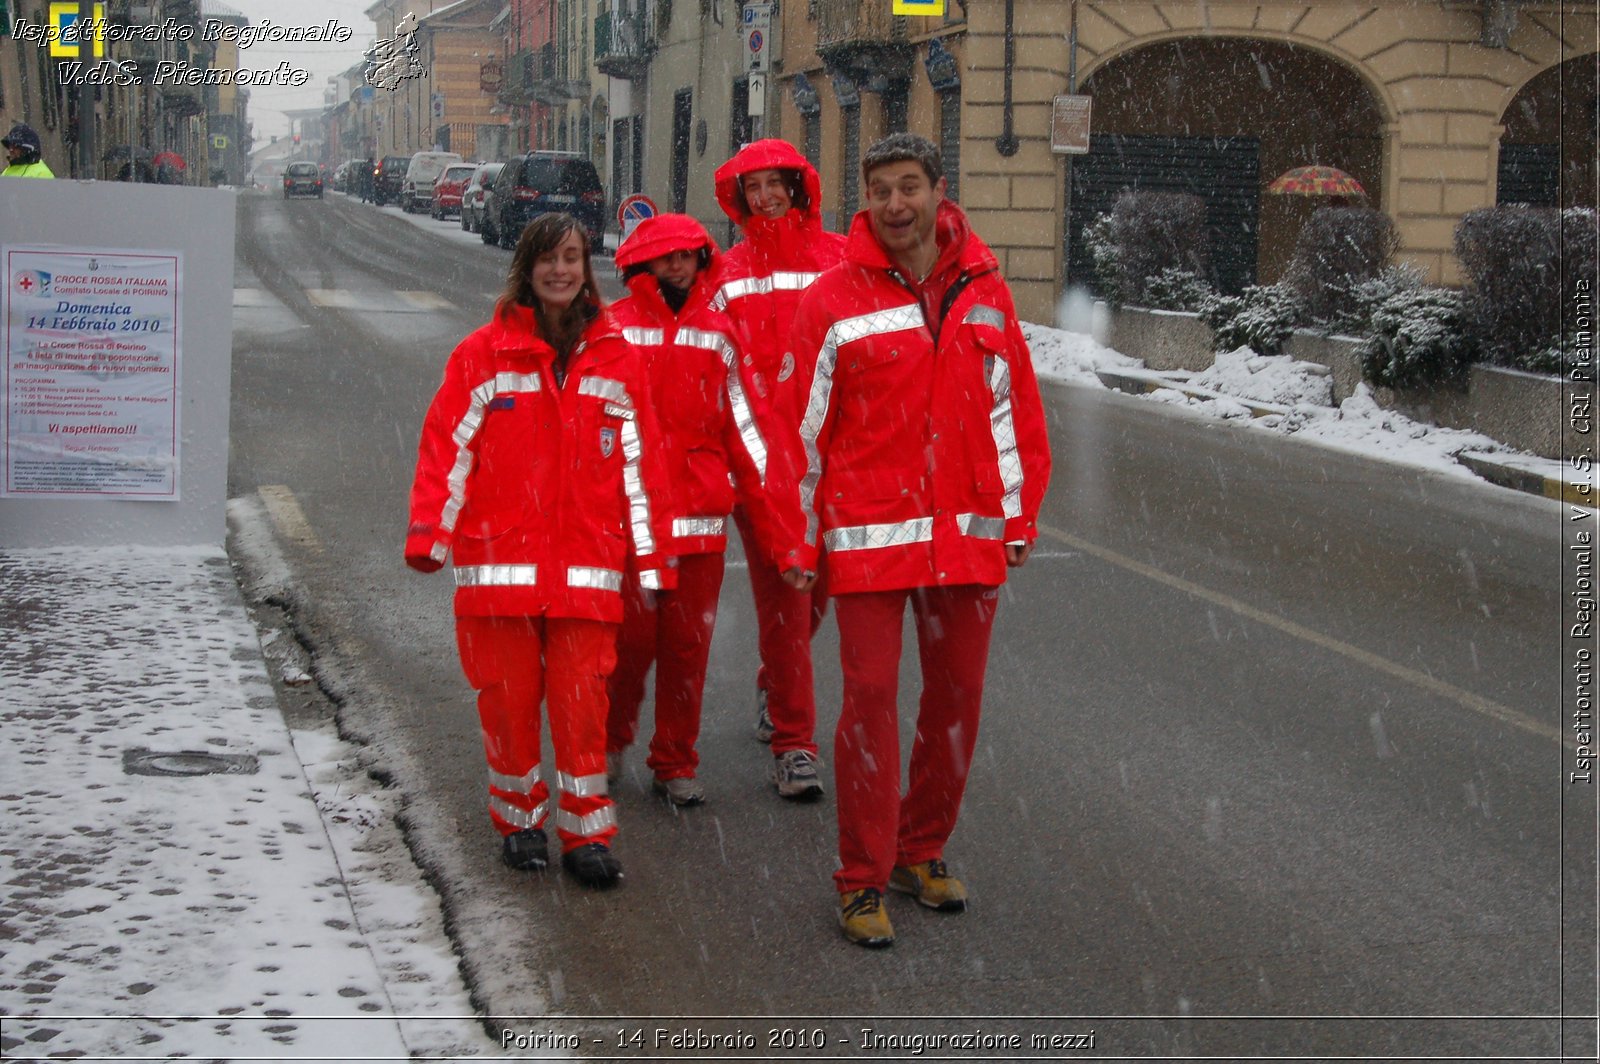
(497, 575)
(439, 552)
(650, 580)
(637, 334)
(644, 538)
(584, 826)
(981, 527)
(1005, 436)
(582, 786)
(895, 319)
(700, 526)
(467, 429)
(588, 576)
(605, 388)
(521, 819)
(868, 537)
(522, 784)
(784, 281)
(983, 314)
(738, 402)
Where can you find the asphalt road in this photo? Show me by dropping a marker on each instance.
(1271, 760)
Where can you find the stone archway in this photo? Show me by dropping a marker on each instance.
(1290, 105)
(1548, 149)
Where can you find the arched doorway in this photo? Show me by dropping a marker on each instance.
(1547, 152)
(1221, 117)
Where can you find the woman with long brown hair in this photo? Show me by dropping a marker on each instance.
(538, 475)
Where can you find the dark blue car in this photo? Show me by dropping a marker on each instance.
(541, 182)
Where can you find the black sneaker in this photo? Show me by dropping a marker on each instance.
(526, 851)
(593, 864)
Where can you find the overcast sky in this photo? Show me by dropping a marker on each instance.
(268, 103)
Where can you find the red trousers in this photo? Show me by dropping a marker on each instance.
(675, 634)
(786, 620)
(878, 827)
(514, 663)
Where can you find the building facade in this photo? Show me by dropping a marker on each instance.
(1435, 108)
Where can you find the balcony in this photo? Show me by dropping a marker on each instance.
(535, 74)
(622, 47)
(521, 71)
(851, 24)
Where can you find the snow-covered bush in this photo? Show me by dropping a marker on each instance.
(1147, 236)
(1417, 338)
(1261, 318)
(1516, 259)
(1176, 289)
(1338, 249)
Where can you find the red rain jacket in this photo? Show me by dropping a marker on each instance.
(711, 423)
(540, 493)
(926, 449)
(764, 276)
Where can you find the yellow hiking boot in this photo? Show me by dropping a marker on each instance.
(932, 885)
(862, 917)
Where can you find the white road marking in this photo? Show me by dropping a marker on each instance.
(1476, 703)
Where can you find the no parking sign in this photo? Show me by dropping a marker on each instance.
(633, 210)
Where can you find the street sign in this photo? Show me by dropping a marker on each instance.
(756, 28)
(758, 96)
(633, 210)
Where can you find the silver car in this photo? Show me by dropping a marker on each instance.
(473, 199)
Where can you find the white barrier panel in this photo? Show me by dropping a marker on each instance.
(114, 411)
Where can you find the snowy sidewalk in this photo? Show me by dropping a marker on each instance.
(170, 888)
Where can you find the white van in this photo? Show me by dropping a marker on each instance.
(416, 194)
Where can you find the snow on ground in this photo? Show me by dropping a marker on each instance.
(262, 911)
(1358, 425)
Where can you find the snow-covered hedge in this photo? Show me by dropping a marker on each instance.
(1522, 264)
(1151, 247)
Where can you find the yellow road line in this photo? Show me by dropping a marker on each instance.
(1476, 703)
(284, 509)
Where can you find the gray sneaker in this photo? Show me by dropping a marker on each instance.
(795, 774)
(764, 727)
(682, 790)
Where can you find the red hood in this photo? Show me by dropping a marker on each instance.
(767, 154)
(664, 234)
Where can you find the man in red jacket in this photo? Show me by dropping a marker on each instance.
(927, 459)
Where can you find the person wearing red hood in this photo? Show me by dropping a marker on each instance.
(927, 457)
(716, 452)
(540, 474)
(773, 194)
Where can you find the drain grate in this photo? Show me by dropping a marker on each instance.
(139, 762)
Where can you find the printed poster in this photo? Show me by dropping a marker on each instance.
(91, 380)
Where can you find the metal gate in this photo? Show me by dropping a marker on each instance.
(1223, 171)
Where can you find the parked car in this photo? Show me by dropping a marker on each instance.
(541, 182)
(448, 187)
(302, 179)
(474, 196)
(390, 179)
(416, 192)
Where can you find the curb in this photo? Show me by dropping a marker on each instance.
(1137, 382)
(1578, 493)
(1486, 466)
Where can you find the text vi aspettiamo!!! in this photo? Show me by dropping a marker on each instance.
(87, 29)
